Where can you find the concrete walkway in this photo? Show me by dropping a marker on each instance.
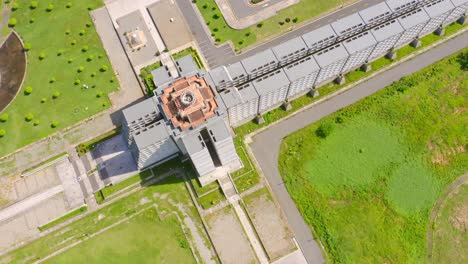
(29, 202)
(266, 144)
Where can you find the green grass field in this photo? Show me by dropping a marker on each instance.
(53, 34)
(367, 188)
(142, 239)
(303, 11)
(449, 237)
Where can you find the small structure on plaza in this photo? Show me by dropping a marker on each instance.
(136, 39)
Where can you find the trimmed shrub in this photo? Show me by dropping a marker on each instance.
(28, 90)
(77, 81)
(73, 42)
(27, 46)
(70, 60)
(325, 129)
(33, 5)
(43, 100)
(31, 20)
(259, 25)
(50, 7)
(463, 60)
(287, 20)
(295, 20)
(4, 118)
(215, 16)
(56, 95)
(52, 80)
(12, 22)
(80, 69)
(104, 68)
(216, 29)
(36, 122)
(69, 4)
(89, 24)
(42, 56)
(54, 124)
(2, 133)
(90, 58)
(60, 52)
(67, 32)
(29, 117)
(99, 94)
(93, 74)
(247, 34)
(14, 7)
(84, 48)
(205, 6)
(82, 32)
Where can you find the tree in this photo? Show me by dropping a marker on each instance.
(77, 81)
(33, 5)
(43, 100)
(295, 19)
(54, 124)
(36, 122)
(29, 117)
(73, 42)
(28, 90)
(104, 68)
(82, 32)
(90, 58)
(52, 80)
(84, 48)
(67, 32)
(463, 60)
(69, 5)
(14, 7)
(2, 133)
(12, 22)
(88, 24)
(50, 7)
(80, 69)
(4, 118)
(27, 46)
(259, 25)
(99, 94)
(56, 94)
(42, 56)
(325, 129)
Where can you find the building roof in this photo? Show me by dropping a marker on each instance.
(348, 24)
(301, 68)
(140, 110)
(237, 95)
(375, 13)
(218, 130)
(397, 5)
(161, 76)
(260, 60)
(459, 2)
(436, 8)
(289, 48)
(330, 55)
(186, 66)
(315, 39)
(359, 42)
(270, 82)
(413, 18)
(227, 73)
(151, 134)
(193, 142)
(387, 30)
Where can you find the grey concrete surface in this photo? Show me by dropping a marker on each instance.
(266, 145)
(243, 8)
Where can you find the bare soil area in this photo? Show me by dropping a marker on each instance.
(229, 239)
(270, 224)
(12, 69)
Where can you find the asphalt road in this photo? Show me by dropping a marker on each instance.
(243, 8)
(266, 145)
(222, 55)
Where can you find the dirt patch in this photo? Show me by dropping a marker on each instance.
(229, 238)
(12, 69)
(271, 226)
(460, 218)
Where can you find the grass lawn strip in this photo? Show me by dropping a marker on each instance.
(83, 148)
(66, 54)
(64, 218)
(284, 20)
(368, 187)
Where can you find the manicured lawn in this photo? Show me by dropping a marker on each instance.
(142, 239)
(303, 11)
(53, 34)
(449, 236)
(367, 188)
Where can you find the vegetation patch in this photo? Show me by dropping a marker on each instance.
(88, 146)
(192, 52)
(367, 188)
(56, 49)
(147, 77)
(449, 230)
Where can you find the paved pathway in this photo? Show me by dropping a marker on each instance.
(266, 144)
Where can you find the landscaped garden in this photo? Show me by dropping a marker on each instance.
(144, 227)
(283, 21)
(365, 178)
(68, 75)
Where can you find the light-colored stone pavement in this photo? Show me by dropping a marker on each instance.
(295, 257)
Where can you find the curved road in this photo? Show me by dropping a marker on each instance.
(266, 144)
